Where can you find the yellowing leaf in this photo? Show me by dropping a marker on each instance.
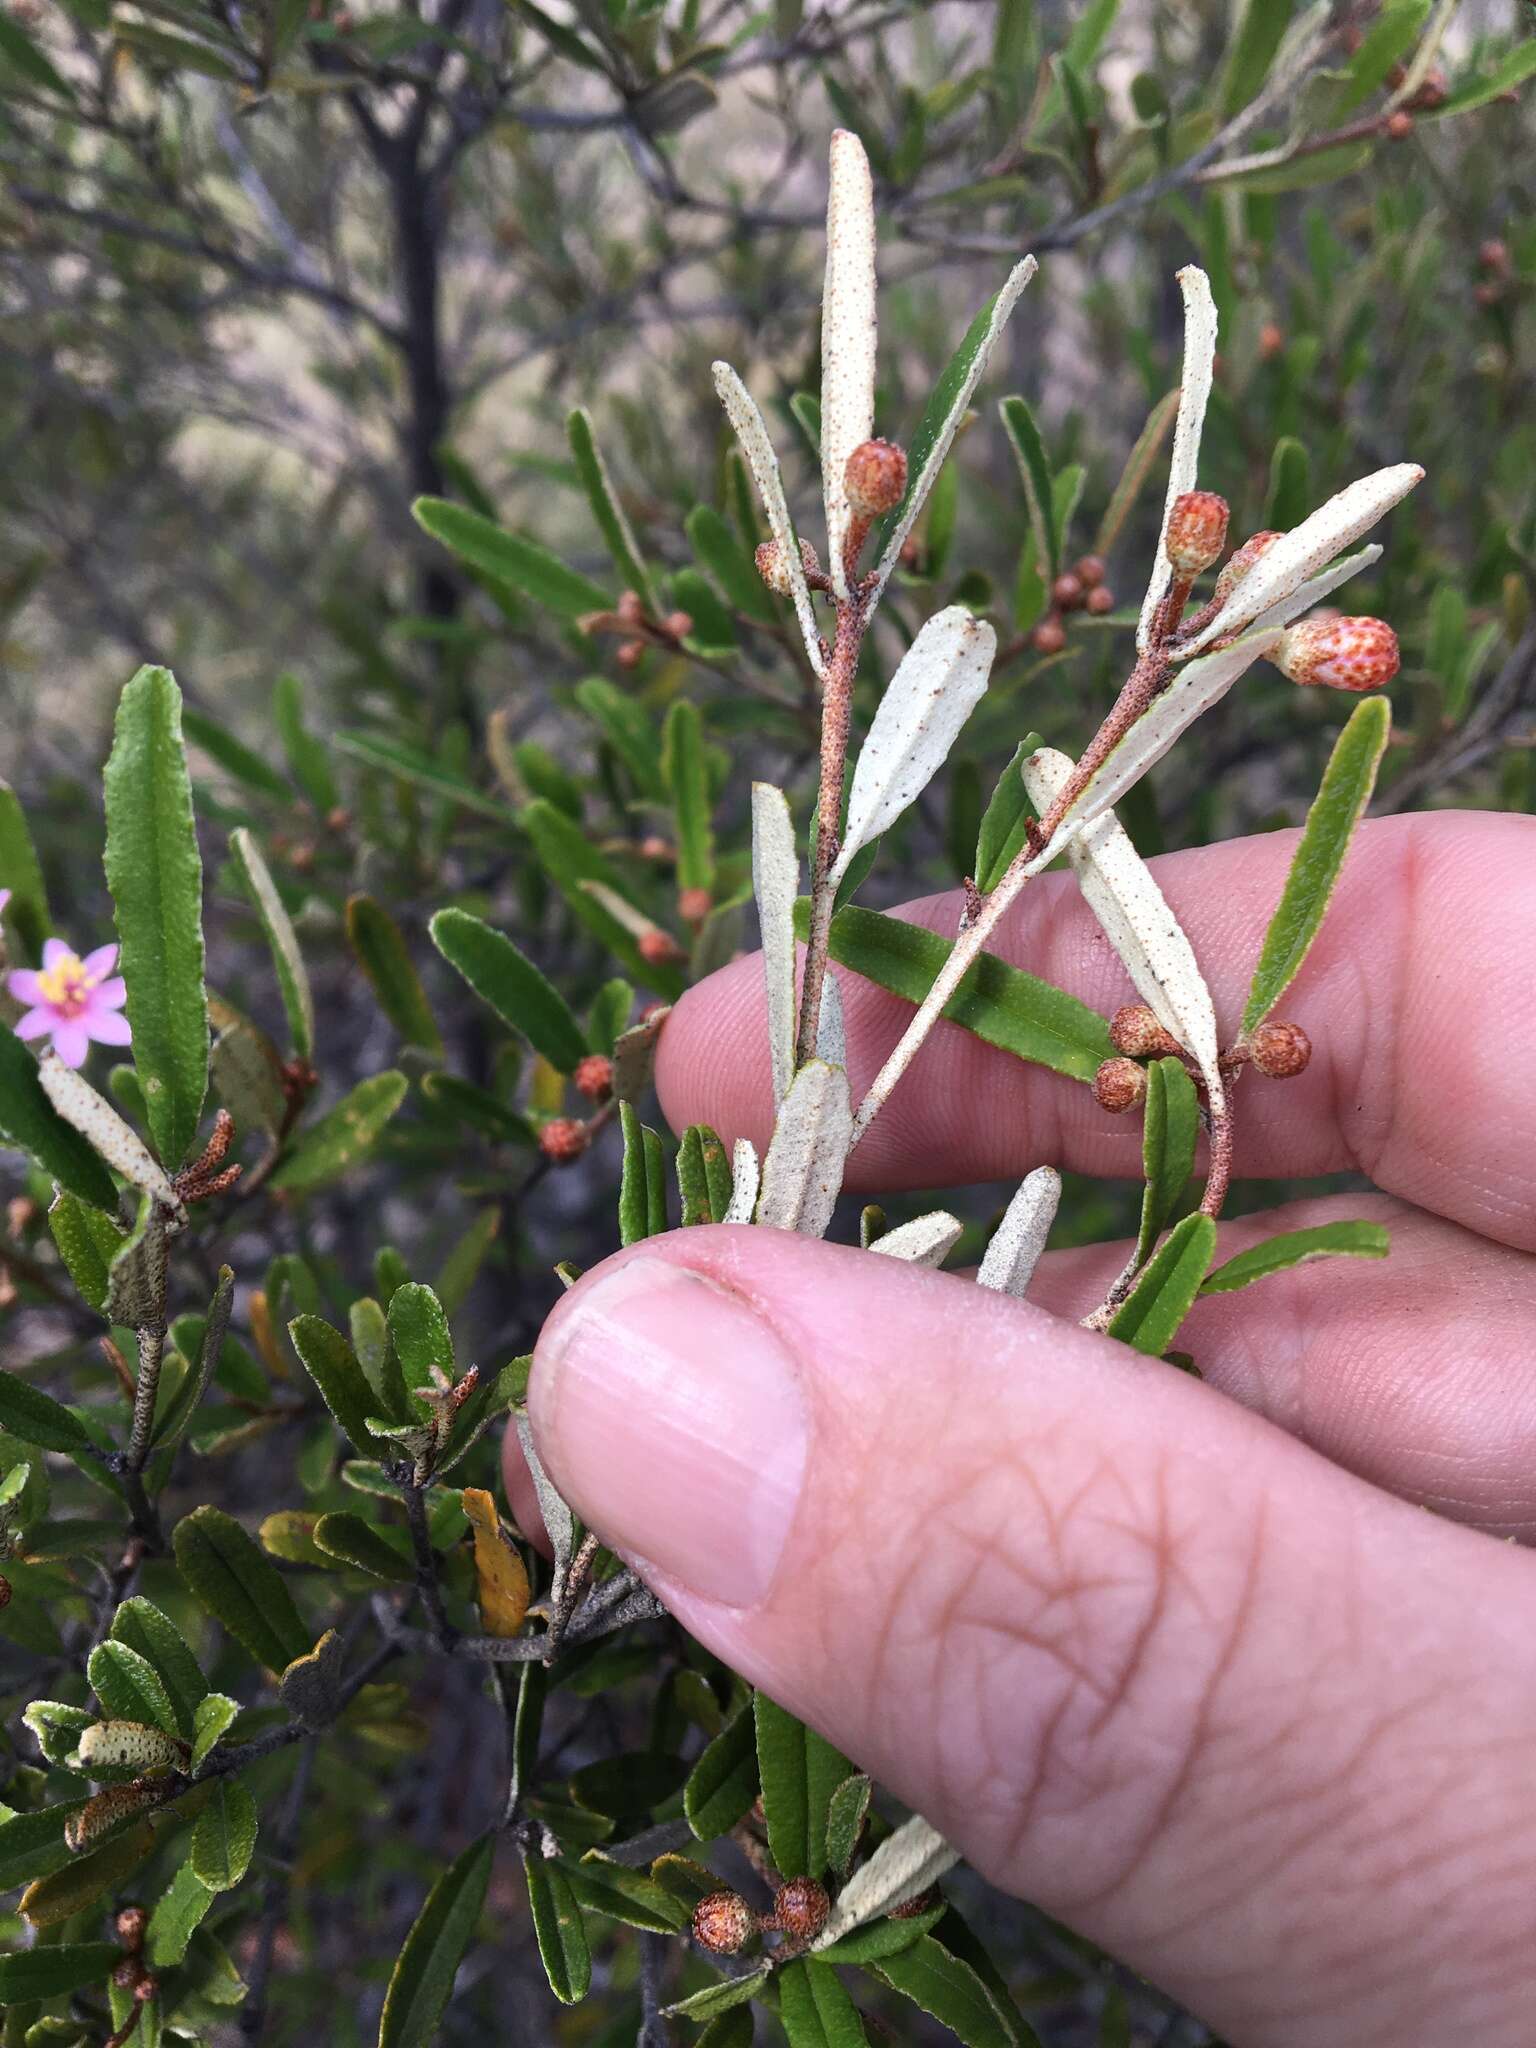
(500, 1572)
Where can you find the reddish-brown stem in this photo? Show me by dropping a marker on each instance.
(1219, 1178)
(836, 715)
(1147, 680)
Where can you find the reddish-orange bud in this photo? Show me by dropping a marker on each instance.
(1135, 1030)
(630, 654)
(800, 1909)
(875, 478)
(1493, 254)
(694, 905)
(1090, 571)
(678, 625)
(1434, 92)
(563, 1139)
(1119, 1085)
(1197, 531)
(724, 1923)
(1271, 341)
(1067, 592)
(1399, 125)
(131, 1923)
(770, 566)
(593, 1077)
(1242, 561)
(654, 847)
(658, 948)
(1488, 295)
(1340, 653)
(1100, 600)
(631, 608)
(1049, 637)
(1280, 1051)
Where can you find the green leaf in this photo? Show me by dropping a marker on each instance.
(1169, 1137)
(723, 1997)
(846, 1815)
(412, 765)
(155, 874)
(723, 1783)
(21, 54)
(143, 1627)
(800, 1773)
(815, 2010)
(941, 402)
(511, 558)
(1290, 485)
(21, 874)
(950, 1990)
(1035, 473)
(331, 1363)
(628, 729)
(733, 2029)
(877, 1939)
(382, 955)
(343, 1134)
(365, 1546)
(1508, 75)
(710, 631)
(569, 858)
(1149, 1318)
(130, 1688)
(478, 1109)
(233, 756)
(29, 1121)
(225, 1836)
(423, 1341)
(36, 1418)
(88, 1241)
(624, 1894)
(634, 1178)
(239, 1587)
(558, 1926)
(308, 758)
(292, 979)
(688, 785)
(32, 1845)
(177, 1914)
(1346, 789)
(721, 553)
(31, 1974)
(1138, 467)
(1251, 52)
(703, 1175)
(1389, 39)
(515, 989)
(606, 509)
(214, 1718)
(628, 1786)
(999, 1003)
(1004, 823)
(1295, 1248)
(461, 1268)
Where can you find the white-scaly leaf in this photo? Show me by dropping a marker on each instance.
(1118, 888)
(804, 1168)
(559, 1522)
(904, 1865)
(848, 335)
(941, 679)
(1194, 397)
(746, 1178)
(831, 1036)
(1019, 1239)
(922, 484)
(1285, 567)
(741, 410)
(1193, 690)
(776, 883)
(1317, 588)
(925, 1241)
(101, 1126)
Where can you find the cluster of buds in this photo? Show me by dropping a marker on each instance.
(563, 1139)
(1493, 261)
(132, 1973)
(631, 618)
(725, 1925)
(1079, 589)
(1277, 1050)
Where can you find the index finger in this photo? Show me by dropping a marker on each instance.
(1419, 997)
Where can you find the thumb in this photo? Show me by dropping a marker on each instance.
(1143, 1657)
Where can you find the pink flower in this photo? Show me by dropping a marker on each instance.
(73, 1000)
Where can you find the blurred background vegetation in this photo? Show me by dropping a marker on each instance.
(273, 270)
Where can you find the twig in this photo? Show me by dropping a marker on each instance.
(836, 713)
(426, 1567)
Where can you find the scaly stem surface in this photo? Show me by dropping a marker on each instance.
(836, 713)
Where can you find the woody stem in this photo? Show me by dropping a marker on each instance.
(836, 715)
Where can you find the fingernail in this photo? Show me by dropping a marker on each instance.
(672, 1418)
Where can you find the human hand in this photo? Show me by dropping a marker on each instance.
(1210, 1690)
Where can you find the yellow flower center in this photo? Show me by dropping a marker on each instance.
(65, 985)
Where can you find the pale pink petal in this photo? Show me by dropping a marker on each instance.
(24, 986)
(107, 1027)
(55, 950)
(100, 962)
(72, 1042)
(38, 1023)
(109, 995)
(5, 897)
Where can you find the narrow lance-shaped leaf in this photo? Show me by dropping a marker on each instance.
(776, 883)
(382, 954)
(724, 1781)
(36, 1418)
(946, 1986)
(1299, 554)
(34, 1125)
(1018, 1241)
(1035, 474)
(559, 1929)
(941, 679)
(800, 1772)
(1137, 465)
(511, 558)
(78, 1103)
(329, 1360)
(814, 2009)
(1341, 799)
(803, 1172)
(225, 1836)
(572, 862)
(292, 978)
(239, 1587)
(422, 1979)
(155, 874)
(1194, 397)
(1170, 1133)
(747, 421)
(523, 998)
(1149, 1318)
(688, 786)
(722, 554)
(22, 875)
(343, 1135)
(144, 1628)
(943, 413)
(606, 509)
(1297, 1248)
(848, 335)
(1315, 589)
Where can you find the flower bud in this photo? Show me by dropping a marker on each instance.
(131, 1923)
(593, 1077)
(1100, 600)
(631, 609)
(723, 1923)
(1487, 295)
(875, 479)
(678, 625)
(630, 654)
(1067, 592)
(1049, 637)
(1271, 341)
(770, 566)
(694, 905)
(800, 1909)
(658, 948)
(1493, 254)
(1399, 125)
(1341, 653)
(654, 847)
(1434, 92)
(1280, 1051)
(1197, 532)
(1090, 571)
(1243, 559)
(1119, 1085)
(1135, 1030)
(563, 1139)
